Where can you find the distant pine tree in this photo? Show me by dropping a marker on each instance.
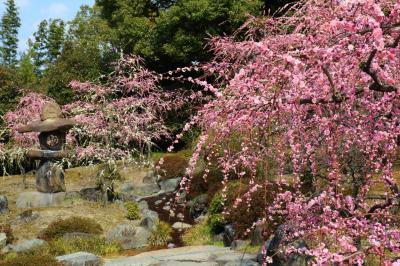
(10, 22)
(55, 39)
(40, 46)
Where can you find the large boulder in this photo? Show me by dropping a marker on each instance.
(39, 200)
(80, 259)
(130, 190)
(198, 206)
(3, 204)
(50, 178)
(27, 245)
(3, 240)
(129, 236)
(170, 185)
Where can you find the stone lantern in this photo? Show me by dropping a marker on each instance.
(52, 128)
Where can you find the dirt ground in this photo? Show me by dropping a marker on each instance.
(75, 179)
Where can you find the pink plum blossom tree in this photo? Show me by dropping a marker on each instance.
(315, 91)
(119, 119)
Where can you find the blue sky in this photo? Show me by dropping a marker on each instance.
(33, 11)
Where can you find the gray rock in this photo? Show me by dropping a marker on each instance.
(28, 216)
(3, 204)
(126, 187)
(166, 208)
(140, 238)
(80, 259)
(151, 214)
(198, 206)
(91, 194)
(148, 222)
(229, 235)
(256, 236)
(3, 240)
(143, 205)
(158, 202)
(171, 245)
(26, 245)
(145, 189)
(180, 216)
(170, 185)
(150, 178)
(50, 178)
(39, 200)
(181, 226)
(129, 236)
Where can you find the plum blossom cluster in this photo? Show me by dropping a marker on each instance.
(119, 119)
(316, 92)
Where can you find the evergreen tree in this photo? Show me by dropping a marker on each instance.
(27, 68)
(55, 39)
(40, 46)
(10, 22)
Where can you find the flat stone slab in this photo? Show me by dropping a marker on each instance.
(26, 245)
(80, 259)
(39, 199)
(196, 255)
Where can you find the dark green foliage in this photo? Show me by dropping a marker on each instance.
(6, 228)
(27, 69)
(86, 55)
(10, 22)
(70, 225)
(173, 33)
(215, 218)
(40, 46)
(55, 38)
(133, 210)
(8, 89)
(181, 33)
(31, 260)
(172, 166)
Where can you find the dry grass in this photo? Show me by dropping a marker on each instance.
(75, 179)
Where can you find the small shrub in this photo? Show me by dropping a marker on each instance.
(172, 166)
(133, 210)
(160, 235)
(107, 175)
(215, 218)
(31, 260)
(198, 235)
(70, 225)
(96, 245)
(6, 228)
